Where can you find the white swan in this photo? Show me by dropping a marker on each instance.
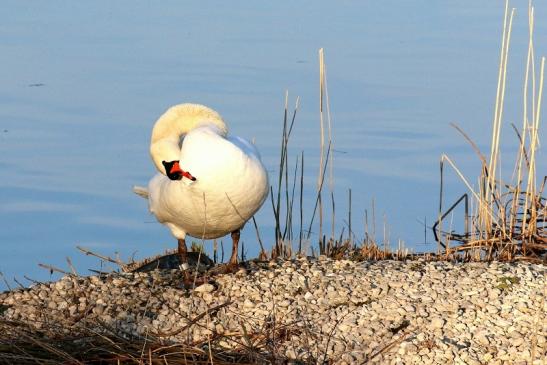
(209, 184)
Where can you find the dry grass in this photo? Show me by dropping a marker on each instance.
(509, 218)
(95, 342)
(86, 339)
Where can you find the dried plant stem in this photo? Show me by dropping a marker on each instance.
(500, 94)
(301, 203)
(318, 199)
(102, 257)
(52, 269)
(262, 251)
(508, 220)
(349, 218)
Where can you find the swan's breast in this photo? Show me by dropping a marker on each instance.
(231, 185)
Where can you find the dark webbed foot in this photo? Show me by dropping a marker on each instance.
(227, 268)
(191, 281)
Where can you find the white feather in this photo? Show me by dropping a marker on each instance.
(231, 181)
(140, 191)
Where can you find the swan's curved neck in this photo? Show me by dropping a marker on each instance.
(180, 119)
(174, 124)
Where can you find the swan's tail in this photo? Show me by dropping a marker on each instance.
(141, 191)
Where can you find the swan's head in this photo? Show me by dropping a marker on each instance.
(174, 172)
(169, 131)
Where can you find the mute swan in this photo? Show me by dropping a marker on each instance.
(209, 184)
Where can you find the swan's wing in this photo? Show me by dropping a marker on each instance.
(141, 191)
(220, 163)
(247, 147)
(205, 152)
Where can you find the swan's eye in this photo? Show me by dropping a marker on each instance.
(172, 170)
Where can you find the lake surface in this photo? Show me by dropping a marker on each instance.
(83, 83)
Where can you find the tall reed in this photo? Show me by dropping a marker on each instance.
(286, 186)
(509, 221)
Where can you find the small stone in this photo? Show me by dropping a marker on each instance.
(248, 304)
(482, 339)
(290, 354)
(98, 310)
(517, 341)
(207, 297)
(395, 284)
(205, 288)
(411, 348)
(356, 304)
(344, 328)
(284, 303)
(72, 309)
(437, 322)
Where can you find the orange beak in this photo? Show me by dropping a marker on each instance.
(188, 175)
(176, 169)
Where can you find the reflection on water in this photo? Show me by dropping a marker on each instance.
(83, 84)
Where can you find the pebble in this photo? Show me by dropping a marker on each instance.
(248, 304)
(450, 312)
(437, 322)
(204, 288)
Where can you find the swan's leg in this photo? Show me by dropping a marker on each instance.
(183, 251)
(235, 243)
(183, 258)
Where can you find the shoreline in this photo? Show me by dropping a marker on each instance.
(346, 312)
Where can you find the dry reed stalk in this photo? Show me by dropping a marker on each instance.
(324, 162)
(373, 220)
(102, 257)
(330, 137)
(322, 139)
(367, 236)
(500, 96)
(530, 186)
(290, 203)
(333, 215)
(53, 269)
(318, 198)
(5, 280)
(535, 115)
(301, 205)
(350, 232)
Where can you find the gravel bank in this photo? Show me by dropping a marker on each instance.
(343, 311)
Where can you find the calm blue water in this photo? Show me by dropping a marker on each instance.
(82, 84)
